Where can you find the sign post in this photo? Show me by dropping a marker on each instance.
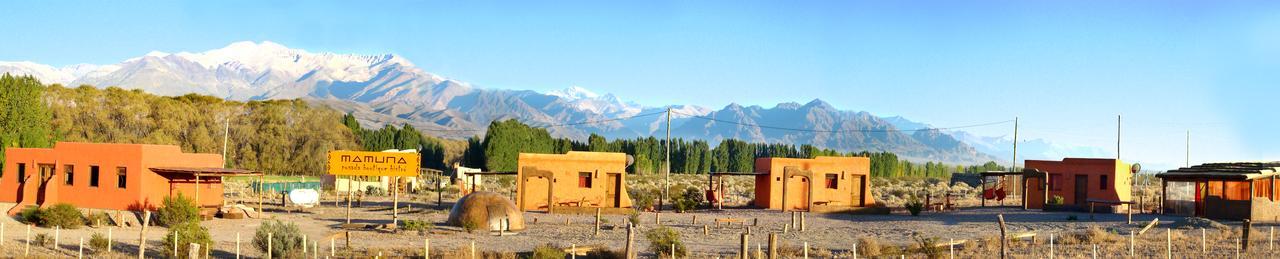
(379, 164)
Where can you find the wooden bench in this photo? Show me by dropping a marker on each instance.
(731, 221)
(1128, 212)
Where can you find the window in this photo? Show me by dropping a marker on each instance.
(832, 181)
(93, 176)
(121, 177)
(70, 175)
(22, 172)
(1055, 182)
(1102, 182)
(584, 180)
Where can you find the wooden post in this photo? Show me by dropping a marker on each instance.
(175, 243)
(142, 241)
(1051, 245)
(630, 251)
(333, 247)
(1004, 239)
(473, 249)
(350, 196)
(57, 237)
(694, 221)
(802, 225)
(426, 248)
(350, 250)
(1203, 244)
(597, 230)
(657, 217)
(855, 249)
(1091, 204)
(395, 204)
(268, 245)
(951, 249)
(706, 230)
(673, 251)
(197, 198)
(773, 245)
(261, 182)
(110, 241)
(742, 250)
(1244, 236)
(1129, 214)
(27, 250)
(1168, 243)
(1271, 237)
(304, 244)
(80, 251)
(237, 245)
(806, 250)
(1131, 243)
(1238, 247)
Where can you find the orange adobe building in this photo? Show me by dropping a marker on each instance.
(572, 182)
(821, 184)
(109, 176)
(1077, 180)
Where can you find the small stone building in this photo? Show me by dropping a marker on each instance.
(820, 184)
(572, 182)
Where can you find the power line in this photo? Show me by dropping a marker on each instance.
(839, 131)
(533, 125)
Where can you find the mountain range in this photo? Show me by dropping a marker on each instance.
(388, 89)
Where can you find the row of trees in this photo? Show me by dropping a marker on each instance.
(390, 137)
(24, 119)
(499, 149)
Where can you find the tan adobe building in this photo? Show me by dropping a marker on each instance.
(821, 184)
(572, 182)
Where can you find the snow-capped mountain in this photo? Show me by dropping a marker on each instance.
(1002, 146)
(386, 88)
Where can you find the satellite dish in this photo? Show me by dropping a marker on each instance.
(630, 160)
(1135, 168)
(305, 198)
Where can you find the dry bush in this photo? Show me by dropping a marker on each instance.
(868, 246)
(464, 252)
(1098, 235)
(793, 251)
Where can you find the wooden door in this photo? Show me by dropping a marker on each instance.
(858, 185)
(1082, 190)
(613, 184)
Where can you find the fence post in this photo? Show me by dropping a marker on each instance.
(773, 245)
(951, 248)
(57, 237)
(742, 250)
(806, 250)
(630, 240)
(1203, 244)
(304, 243)
(110, 241)
(855, 249)
(1244, 237)
(1004, 239)
(27, 251)
(80, 252)
(1131, 243)
(473, 249)
(597, 222)
(175, 243)
(237, 245)
(268, 245)
(426, 248)
(142, 241)
(1168, 243)
(1050, 245)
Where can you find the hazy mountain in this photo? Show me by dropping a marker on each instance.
(383, 89)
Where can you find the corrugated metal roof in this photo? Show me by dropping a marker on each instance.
(1225, 171)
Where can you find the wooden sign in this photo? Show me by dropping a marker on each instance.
(364, 163)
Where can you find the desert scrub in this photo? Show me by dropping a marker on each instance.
(99, 242)
(62, 215)
(187, 232)
(869, 246)
(422, 227)
(100, 219)
(661, 239)
(914, 206)
(548, 252)
(42, 240)
(643, 198)
(176, 210)
(928, 246)
(286, 239)
(688, 200)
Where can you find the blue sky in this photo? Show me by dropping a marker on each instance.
(1066, 68)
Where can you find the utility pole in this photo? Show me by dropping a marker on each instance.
(1015, 145)
(1117, 137)
(226, 131)
(666, 182)
(1188, 149)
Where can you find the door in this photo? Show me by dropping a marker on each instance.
(858, 185)
(46, 172)
(613, 182)
(797, 193)
(1082, 190)
(534, 196)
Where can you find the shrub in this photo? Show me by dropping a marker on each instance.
(605, 254)
(643, 199)
(99, 219)
(30, 215)
(375, 191)
(61, 215)
(176, 210)
(869, 247)
(914, 206)
(188, 232)
(548, 252)
(634, 218)
(688, 200)
(468, 225)
(928, 246)
(42, 240)
(1056, 200)
(286, 239)
(99, 242)
(661, 239)
(416, 225)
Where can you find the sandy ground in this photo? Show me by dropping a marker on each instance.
(826, 234)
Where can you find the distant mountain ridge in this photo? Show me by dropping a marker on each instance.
(383, 89)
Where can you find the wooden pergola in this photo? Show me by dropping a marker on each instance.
(221, 173)
(1026, 173)
(715, 183)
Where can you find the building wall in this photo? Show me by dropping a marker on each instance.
(852, 173)
(1118, 185)
(143, 188)
(532, 193)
